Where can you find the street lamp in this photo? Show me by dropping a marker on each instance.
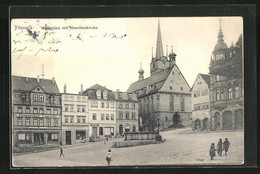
(158, 118)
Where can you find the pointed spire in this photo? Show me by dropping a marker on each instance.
(220, 33)
(166, 50)
(159, 47)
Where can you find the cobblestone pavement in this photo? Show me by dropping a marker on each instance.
(178, 149)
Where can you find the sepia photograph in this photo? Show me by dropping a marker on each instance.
(127, 91)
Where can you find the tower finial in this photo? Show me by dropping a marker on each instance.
(159, 47)
(220, 33)
(219, 24)
(166, 50)
(42, 71)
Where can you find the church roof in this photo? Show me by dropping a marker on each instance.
(157, 79)
(27, 84)
(97, 86)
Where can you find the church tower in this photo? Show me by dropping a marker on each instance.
(141, 73)
(160, 62)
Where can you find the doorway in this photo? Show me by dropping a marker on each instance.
(120, 129)
(94, 131)
(176, 119)
(38, 139)
(68, 137)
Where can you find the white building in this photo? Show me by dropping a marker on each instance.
(102, 111)
(75, 118)
(200, 103)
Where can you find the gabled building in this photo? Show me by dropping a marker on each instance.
(75, 118)
(201, 103)
(165, 95)
(102, 111)
(227, 85)
(126, 112)
(36, 111)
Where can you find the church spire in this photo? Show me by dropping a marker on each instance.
(159, 47)
(220, 33)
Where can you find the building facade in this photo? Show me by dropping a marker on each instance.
(102, 111)
(227, 85)
(36, 112)
(164, 96)
(126, 112)
(75, 118)
(201, 103)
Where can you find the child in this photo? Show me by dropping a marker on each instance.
(109, 157)
(61, 151)
(212, 151)
(226, 145)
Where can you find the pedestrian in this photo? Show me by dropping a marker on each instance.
(220, 147)
(105, 141)
(61, 151)
(212, 151)
(109, 157)
(226, 145)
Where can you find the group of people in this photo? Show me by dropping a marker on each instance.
(220, 147)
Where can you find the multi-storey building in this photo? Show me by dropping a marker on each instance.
(102, 111)
(165, 95)
(200, 103)
(75, 118)
(126, 112)
(227, 85)
(36, 111)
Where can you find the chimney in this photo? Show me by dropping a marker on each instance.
(53, 80)
(81, 89)
(65, 88)
(38, 78)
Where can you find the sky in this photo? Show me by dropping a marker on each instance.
(108, 51)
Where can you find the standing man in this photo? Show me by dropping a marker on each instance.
(61, 151)
(226, 145)
(219, 147)
(109, 157)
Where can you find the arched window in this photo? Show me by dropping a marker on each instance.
(230, 95)
(217, 94)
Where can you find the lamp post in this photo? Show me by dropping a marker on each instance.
(158, 118)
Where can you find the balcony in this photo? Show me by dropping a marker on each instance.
(221, 104)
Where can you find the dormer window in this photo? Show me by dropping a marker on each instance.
(129, 95)
(105, 94)
(98, 94)
(52, 99)
(120, 95)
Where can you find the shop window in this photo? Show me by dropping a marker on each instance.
(80, 135)
(21, 136)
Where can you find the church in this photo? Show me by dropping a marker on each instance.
(164, 97)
